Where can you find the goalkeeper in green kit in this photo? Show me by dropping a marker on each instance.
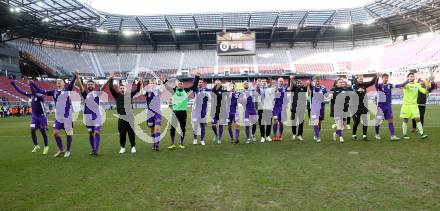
(410, 109)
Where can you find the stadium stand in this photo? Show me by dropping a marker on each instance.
(39, 55)
(71, 60)
(8, 92)
(419, 51)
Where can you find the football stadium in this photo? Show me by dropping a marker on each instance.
(222, 105)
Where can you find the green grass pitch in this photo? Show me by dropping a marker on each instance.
(288, 175)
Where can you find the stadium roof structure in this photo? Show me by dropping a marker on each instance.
(73, 21)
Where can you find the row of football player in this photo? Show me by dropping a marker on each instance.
(270, 104)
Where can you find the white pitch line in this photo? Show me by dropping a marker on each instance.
(111, 134)
(77, 134)
(308, 127)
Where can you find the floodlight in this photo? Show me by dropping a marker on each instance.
(130, 33)
(101, 30)
(127, 33)
(344, 26)
(15, 9)
(369, 21)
